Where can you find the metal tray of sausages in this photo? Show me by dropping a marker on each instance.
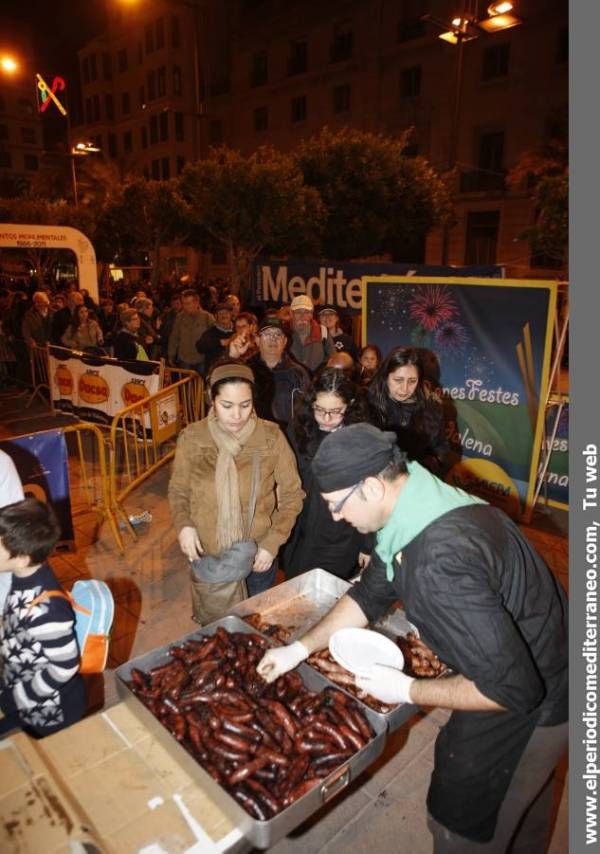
(262, 834)
(299, 603)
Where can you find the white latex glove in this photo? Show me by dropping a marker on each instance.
(387, 684)
(262, 561)
(189, 542)
(276, 662)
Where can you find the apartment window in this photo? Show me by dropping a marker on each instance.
(160, 33)
(153, 130)
(31, 162)
(298, 61)
(28, 136)
(175, 32)
(259, 69)
(482, 237)
(144, 136)
(85, 69)
(491, 151)
(161, 81)
(298, 109)
(177, 88)
(342, 44)
(180, 160)
(88, 111)
(165, 168)
(125, 104)
(5, 160)
(410, 82)
(127, 142)
(341, 98)
(215, 132)
(3, 131)
(179, 133)
(93, 68)
(155, 170)
(109, 107)
(164, 127)
(149, 37)
(107, 66)
(112, 145)
(96, 102)
(151, 85)
(562, 45)
(261, 118)
(122, 59)
(495, 61)
(142, 97)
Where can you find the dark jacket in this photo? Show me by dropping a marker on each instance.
(317, 540)
(420, 428)
(209, 344)
(276, 388)
(126, 346)
(487, 605)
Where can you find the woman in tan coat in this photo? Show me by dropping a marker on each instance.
(230, 468)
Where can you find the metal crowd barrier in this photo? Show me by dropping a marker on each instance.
(40, 376)
(91, 479)
(142, 437)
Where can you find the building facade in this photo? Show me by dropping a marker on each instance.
(169, 79)
(21, 143)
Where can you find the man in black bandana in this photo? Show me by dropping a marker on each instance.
(487, 605)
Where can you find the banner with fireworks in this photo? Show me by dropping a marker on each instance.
(488, 344)
(555, 487)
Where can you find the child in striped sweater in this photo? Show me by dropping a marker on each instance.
(41, 689)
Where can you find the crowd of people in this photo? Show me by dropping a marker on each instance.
(315, 453)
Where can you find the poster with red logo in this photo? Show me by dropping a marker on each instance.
(95, 388)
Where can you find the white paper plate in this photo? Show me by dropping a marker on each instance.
(359, 649)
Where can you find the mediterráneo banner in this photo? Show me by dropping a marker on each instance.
(488, 344)
(338, 282)
(95, 388)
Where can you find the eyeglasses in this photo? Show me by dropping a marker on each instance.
(328, 413)
(337, 508)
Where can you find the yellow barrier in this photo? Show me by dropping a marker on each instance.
(40, 376)
(142, 437)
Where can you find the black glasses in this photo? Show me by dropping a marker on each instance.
(329, 413)
(340, 504)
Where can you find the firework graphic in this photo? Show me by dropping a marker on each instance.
(451, 338)
(420, 337)
(433, 306)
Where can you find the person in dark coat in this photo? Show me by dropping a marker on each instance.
(402, 401)
(214, 342)
(127, 344)
(317, 540)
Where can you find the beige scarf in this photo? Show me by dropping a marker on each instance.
(230, 528)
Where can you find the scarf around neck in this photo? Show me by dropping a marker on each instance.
(423, 499)
(230, 527)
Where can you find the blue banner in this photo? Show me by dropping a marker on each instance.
(338, 282)
(556, 482)
(42, 462)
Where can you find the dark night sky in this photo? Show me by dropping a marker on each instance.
(48, 33)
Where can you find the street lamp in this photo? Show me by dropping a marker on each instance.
(80, 149)
(8, 64)
(465, 27)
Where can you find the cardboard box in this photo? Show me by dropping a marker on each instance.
(108, 781)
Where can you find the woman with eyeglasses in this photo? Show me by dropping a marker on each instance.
(332, 402)
(403, 401)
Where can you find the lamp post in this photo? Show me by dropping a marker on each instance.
(464, 27)
(80, 149)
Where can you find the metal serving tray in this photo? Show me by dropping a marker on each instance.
(297, 604)
(262, 834)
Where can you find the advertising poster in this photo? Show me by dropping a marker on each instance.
(338, 282)
(488, 345)
(555, 488)
(95, 388)
(42, 462)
